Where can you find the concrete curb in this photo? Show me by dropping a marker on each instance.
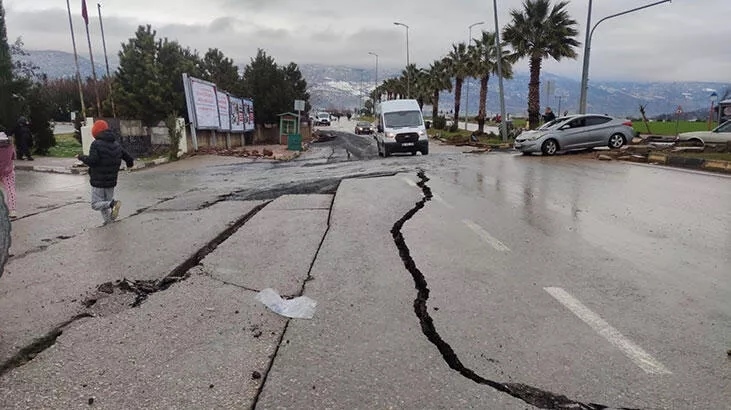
(689, 162)
(83, 170)
(53, 170)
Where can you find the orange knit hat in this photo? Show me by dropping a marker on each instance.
(99, 127)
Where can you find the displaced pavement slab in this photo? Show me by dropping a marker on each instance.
(275, 248)
(198, 344)
(36, 297)
(364, 347)
(294, 202)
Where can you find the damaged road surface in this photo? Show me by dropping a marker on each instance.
(442, 281)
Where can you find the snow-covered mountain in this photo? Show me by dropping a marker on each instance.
(342, 87)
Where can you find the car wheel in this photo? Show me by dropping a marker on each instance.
(616, 141)
(425, 151)
(695, 142)
(549, 147)
(386, 154)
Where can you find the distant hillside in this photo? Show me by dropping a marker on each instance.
(342, 87)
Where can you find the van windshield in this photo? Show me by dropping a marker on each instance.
(402, 119)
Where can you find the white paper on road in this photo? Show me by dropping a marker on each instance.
(641, 358)
(300, 307)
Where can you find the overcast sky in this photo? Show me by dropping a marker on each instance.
(686, 40)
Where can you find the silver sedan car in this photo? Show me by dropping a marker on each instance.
(575, 132)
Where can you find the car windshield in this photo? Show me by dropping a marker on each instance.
(554, 123)
(364, 124)
(323, 115)
(401, 119)
(725, 127)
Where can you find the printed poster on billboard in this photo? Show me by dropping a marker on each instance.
(205, 104)
(248, 115)
(223, 111)
(236, 114)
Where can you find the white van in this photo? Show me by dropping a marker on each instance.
(401, 128)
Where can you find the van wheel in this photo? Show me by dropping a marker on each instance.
(386, 154)
(425, 151)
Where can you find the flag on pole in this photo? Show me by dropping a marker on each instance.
(84, 12)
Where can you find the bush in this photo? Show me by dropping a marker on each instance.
(454, 127)
(440, 123)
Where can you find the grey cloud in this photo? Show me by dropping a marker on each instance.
(677, 41)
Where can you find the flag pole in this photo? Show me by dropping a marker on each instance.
(76, 59)
(85, 14)
(106, 61)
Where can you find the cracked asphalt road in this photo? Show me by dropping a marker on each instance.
(514, 282)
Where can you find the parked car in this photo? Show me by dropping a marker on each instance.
(576, 132)
(719, 135)
(363, 127)
(322, 118)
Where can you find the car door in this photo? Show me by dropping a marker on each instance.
(598, 130)
(721, 134)
(572, 135)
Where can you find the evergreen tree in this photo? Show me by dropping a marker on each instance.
(221, 70)
(10, 89)
(139, 91)
(263, 82)
(176, 60)
(296, 85)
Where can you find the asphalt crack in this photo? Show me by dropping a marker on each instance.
(301, 292)
(144, 288)
(29, 352)
(532, 395)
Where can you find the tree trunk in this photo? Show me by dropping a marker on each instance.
(534, 96)
(435, 107)
(457, 98)
(482, 114)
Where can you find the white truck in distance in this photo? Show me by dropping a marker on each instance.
(400, 128)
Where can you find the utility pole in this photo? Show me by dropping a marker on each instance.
(106, 61)
(85, 15)
(76, 60)
(499, 46)
(375, 89)
(469, 79)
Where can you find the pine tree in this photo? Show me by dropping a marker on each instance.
(7, 85)
(221, 70)
(297, 84)
(139, 91)
(263, 81)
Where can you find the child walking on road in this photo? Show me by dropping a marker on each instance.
(104, 159)
(7, 172)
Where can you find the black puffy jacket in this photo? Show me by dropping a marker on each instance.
(104, 159)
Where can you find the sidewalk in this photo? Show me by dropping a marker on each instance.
(51, 164)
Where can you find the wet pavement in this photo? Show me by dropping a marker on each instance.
(451, 280)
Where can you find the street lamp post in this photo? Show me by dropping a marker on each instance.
(587, 48)
(375, 89)
(499, 46)
(467, 94)
(408, 63)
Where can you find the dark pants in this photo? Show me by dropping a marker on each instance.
(23, 148)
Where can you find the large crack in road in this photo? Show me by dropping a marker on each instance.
(532, 395)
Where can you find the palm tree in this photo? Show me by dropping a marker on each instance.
(438, 80)
(460, 67)
(540, 31)
(484, 58)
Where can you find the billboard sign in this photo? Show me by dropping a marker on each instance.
(236, 111)
(224, 118)
(248, 106)
(205, 104)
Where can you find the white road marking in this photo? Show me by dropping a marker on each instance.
(441, 200)
(482, 233)
(641, 358)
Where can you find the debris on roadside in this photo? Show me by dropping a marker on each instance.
(604, 157)
(478, 151)
(300, 307)
(323, 136)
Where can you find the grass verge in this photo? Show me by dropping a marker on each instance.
(669, 128)
(722, 156)
(66, 147)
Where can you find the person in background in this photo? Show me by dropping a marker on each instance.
(548, 116)
(7, 173)
(104, 159)
(23, 138)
